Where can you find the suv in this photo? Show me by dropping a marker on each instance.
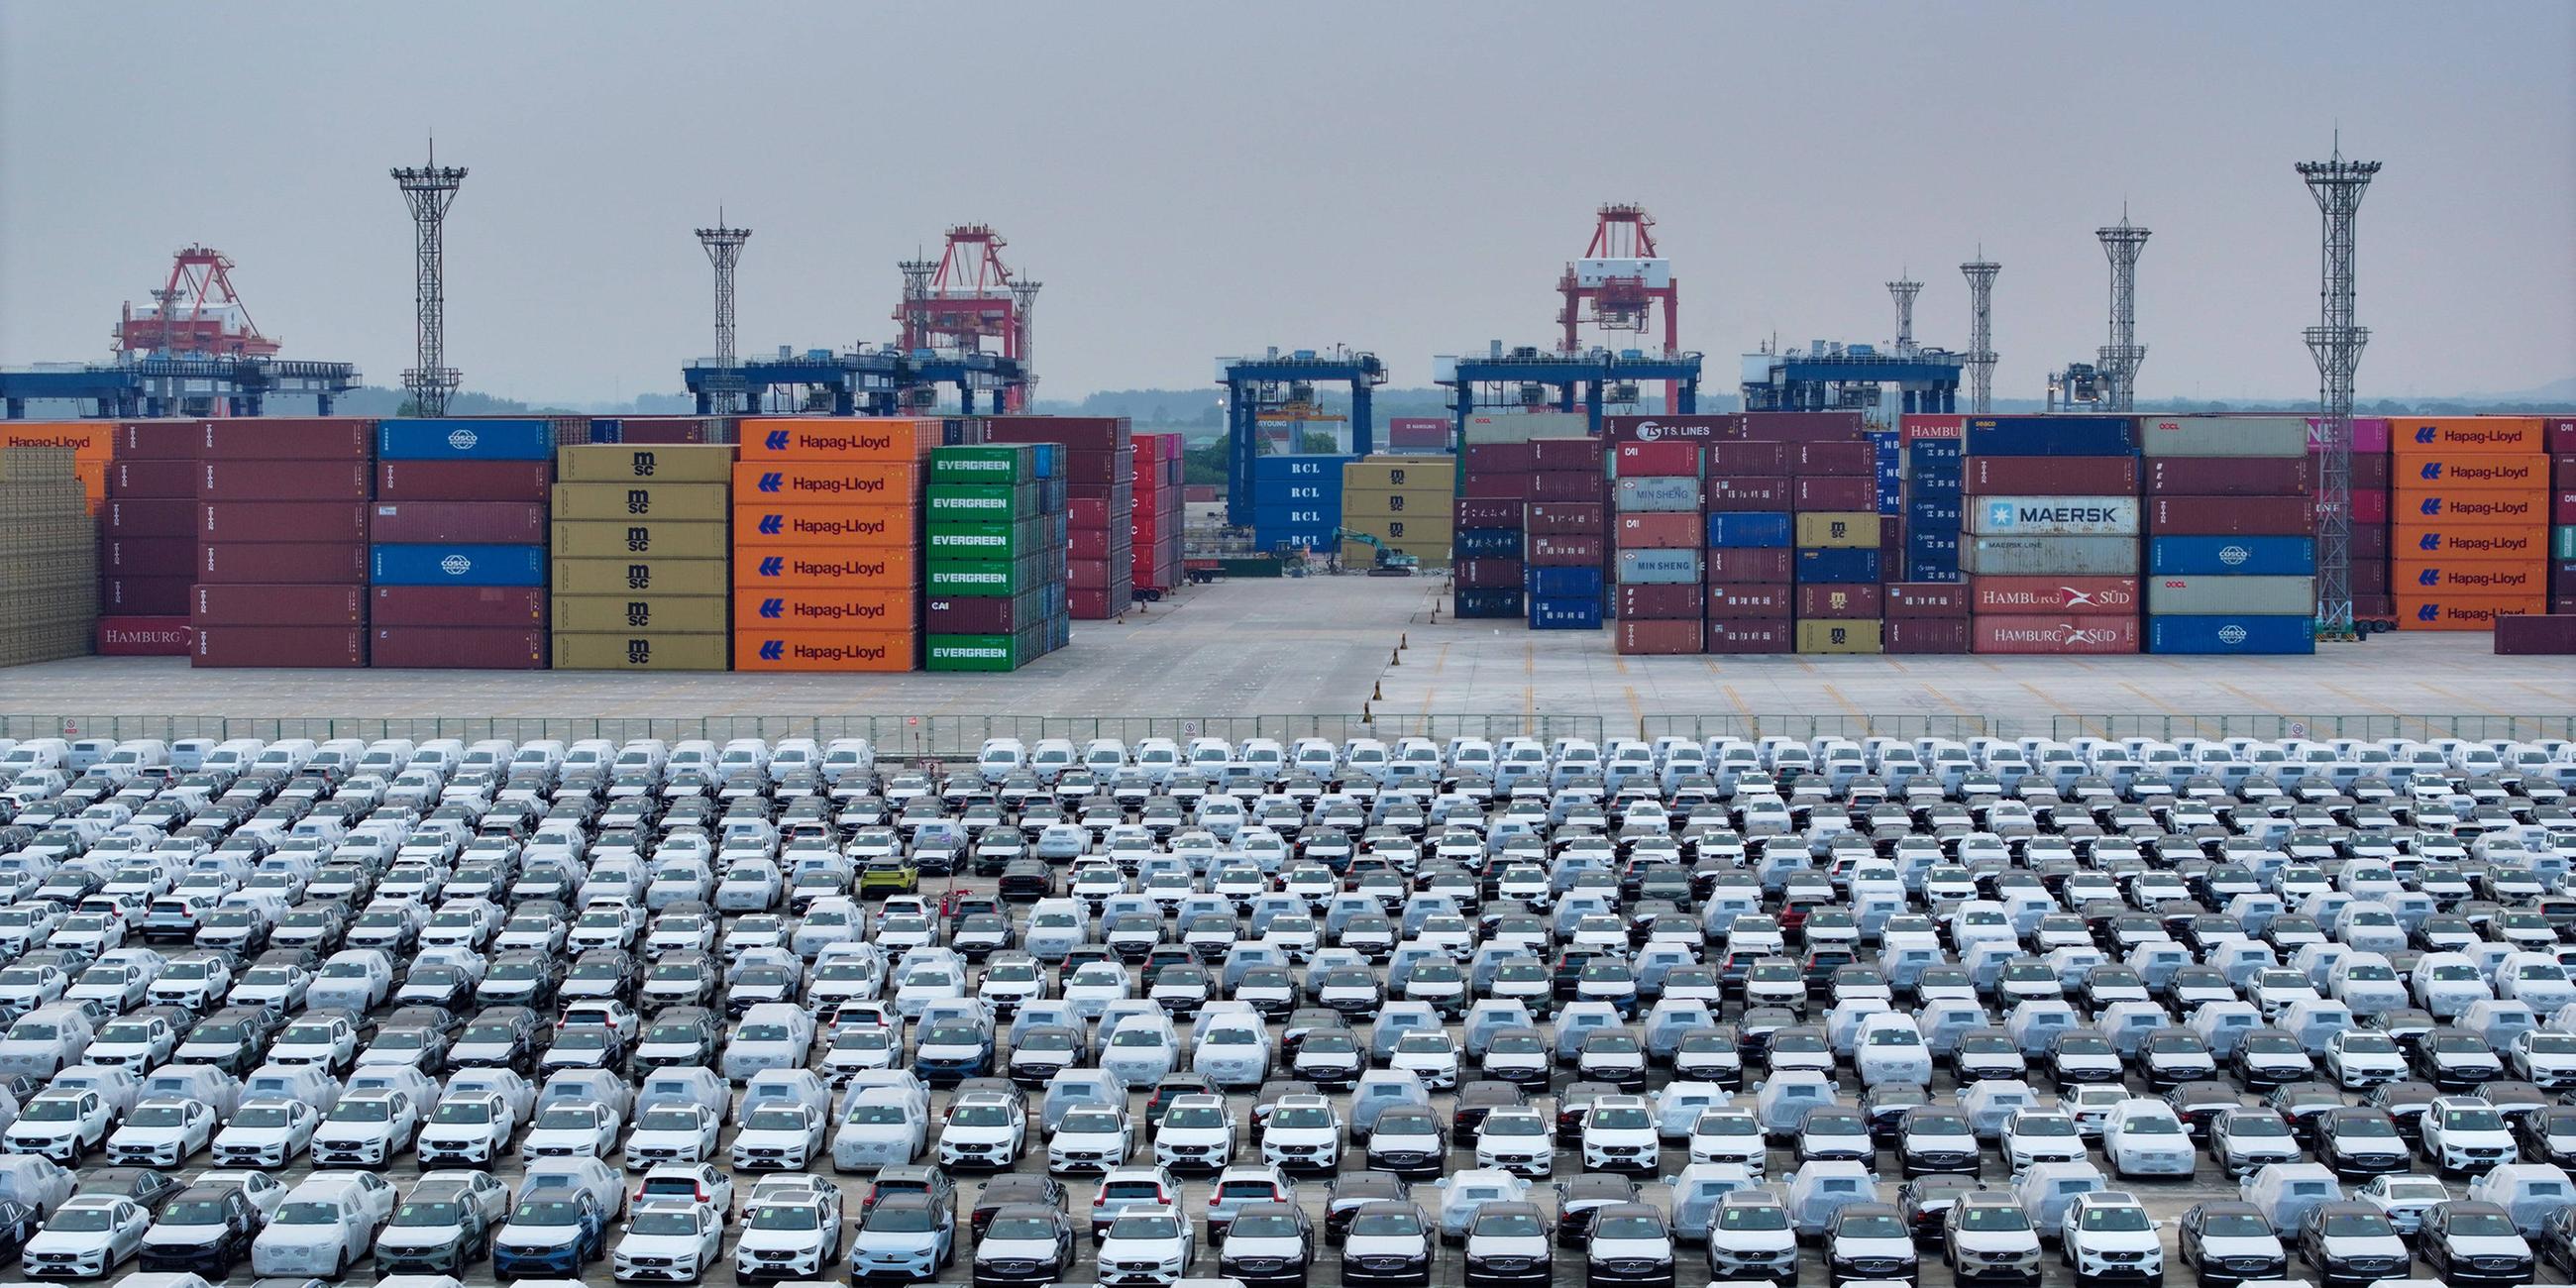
(2351, 1245)
(1507, 1247)
(1628, 1244)
(2109, 1236)
(1869, 1241)
(2227, 1242)
(1987, 1238)
(1386, 1244)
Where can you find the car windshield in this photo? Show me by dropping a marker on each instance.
(2115, 1220)
(1621, 1118)
(885, 1114)
(2480, 1225)
(2235, 1225)
(90, 1219)
(2371, 1125)
(547, 1212)
(2479, 1119)
(774, 1119)
(51, 1109)
(980, 1116)
(1508, 1225)
(666, 1221)
(1628, 1227)
(466, 1111)
(668, 1119)
(1992, 1217)
(2152, 1125)
(568, 1117)
(428, 1214)
(1865, 1225)
(2360, 1225)
(1144, 1227)
(308, 1213)
(264, 1116)
(1195, 1116)
(786, 1216)
(1301, 1117)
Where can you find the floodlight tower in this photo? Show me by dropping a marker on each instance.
(2338, 186)
(1904, 291)
(1981, 332)
(724, 248)
(428, 190)
(2122, 357)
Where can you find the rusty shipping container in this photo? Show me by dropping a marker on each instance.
(1743, 635)
(244, 481)
(287, 438)
(1657, 636)
(1910, 600)
(1759, 566)
(1750, 601)
(1658, 602)
(300, 521)
(280, 646)
(1926, 635)
(2049, 476)
(1840, 602)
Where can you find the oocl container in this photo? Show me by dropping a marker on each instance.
(2236, 436)
(2176, 594)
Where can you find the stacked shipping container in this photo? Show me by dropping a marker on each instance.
(1155, 527)
(996, 560)
(1404, 502)
(2562, 516)
(2050, 505)
(2370, 586)
(92, 444)
(1931, 488)
(460, 584)
(1833, 500)
(1097, 462)
(2472, 535)
(1748, 525)
(282, 542)
(2229, 477)
(1564, 590)
(151, 486)
(1296, 502)
(648, 593)
(1657, 533)
(827, 542)
(1489, 529)
(48, 556)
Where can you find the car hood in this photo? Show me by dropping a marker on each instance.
(658, 1245)
(417, 1236)
(2248, 1245)
(2497, 1245)
(1616, 1249)
(881, 1241)
(515, 1235)
(1015, 1250)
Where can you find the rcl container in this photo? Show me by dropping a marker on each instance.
(2055, 634)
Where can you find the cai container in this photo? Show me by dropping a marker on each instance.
(2236, 436)
(457, 648)
(2194, 594)
(2049, 476)
(278, 605)
(2049, 556)
(465, 440)
(457, 564)
(2247, 556)
(2242, 633)
(477, 606)
(280, 646)
(2062, 633)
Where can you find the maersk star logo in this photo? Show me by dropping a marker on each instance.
(2000, 514)
(463, 439)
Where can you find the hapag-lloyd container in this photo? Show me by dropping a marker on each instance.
(2179, 594)
(2466, 435)
(1658, 567)
(2250, 516)
(2472, 541)
(866, 610)
(2416, 505)
(2474, 473)
(2052, 516)
(2478, 578)
(2053, 634)
(2049, 556)
(2246, 556)
(759, 649)
(2246, 633)
(2231, 476)
(2237, 436)
(2049, 476)
(2461, 612)
(806, 438)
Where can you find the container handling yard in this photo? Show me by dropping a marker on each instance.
(1644, 826)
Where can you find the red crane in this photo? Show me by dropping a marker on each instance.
(965, 298)
(195, 313)
(1623, 278)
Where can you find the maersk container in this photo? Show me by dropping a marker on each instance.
(2051, 436)
(2049, 556)
(1547, 613)
(1843, 565)
(1659, 567)
(457, 564)
(2053, 516)
(2209, 594)
(1748, 531)
(2223, 436)
(2244, 556)
(2232, 633)
(1565, 583)
(465, 440)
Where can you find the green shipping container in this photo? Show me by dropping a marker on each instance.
(986, 578)
(976, 465)
(971, 653)
(2562, 541)
(986, 540)
(987, 502)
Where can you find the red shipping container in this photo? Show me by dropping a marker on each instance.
(2049, 476)
(1499, 458)
(1758, 566)
(668, 433)
(1658, 602)
(146, 596)
(971, 615)
(1499, 487)
(144, 637)
(1846, 492)
(282, 646)
(485, 522)
(157, 440)
(1660, 530)
(1088, 574)
(149, 556)
(1920, 635)
(1650, 429)
(288, 438)
(118, 517)
(1076, 466)
(282, 521)
(1548, 550)
(2374, 608)
(2055, 634)
(1487, 574)
(457, 648)
(1748, 494)
(2368, 506)
(254, 605)
(1568, 518)
(1803, 426)
(285, 480)
(464, 480)
(2369, 470)
(2230, 475)
(281, 563)
(1097, 605)
(2560, 436)
(2369, 541)
(1086, 512)
(479, 606)
(152, 478)
(1743, 601)
(1660, 459)
(2562, 505)
(1570, 455)
(1566, 485)
(1087, 543)
(1751, 635)
(1843, 601)
(2232, 516)
(1475, 512)
(2010, 596)
(1924, 427)
(2535, 635)
(1918, 600)
(1084, 433)
(2369, 577)
(1761, 460)
(1835, 458)
(1657, 637)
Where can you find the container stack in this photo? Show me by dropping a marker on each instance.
(92, 443)
(1658, 531)
(151, 498)
(282, 542)
(1925, 617)
(1748, 525)
(48, 556)
(827, 544)
(1489, 586)
(2372, 600)
(994, 584)
(460, 584)
(2472, 534)
(1097, 462)
(1155, 527)
(1404, 503)
(1931, 488)
(1418, 435)
(1833, 500)
(649, 593)
(2050, 552)
(2562, 517)
(1296, 502)
(2231, 478)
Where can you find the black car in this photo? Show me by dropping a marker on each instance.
(149, 1189)
(2343, 1243)
(220, 1223)
(604, 973)
(1886, 1105)
(2229, 1220)
(680, 1036)
(1352, 1191)
(2358, 1141)
(1629, 1245)
(1482, 1097)
(2548, 1136)
(1396, 1247)
(1027, 880)
(1003, 1192)
(1578, 1198)
(1412, 1160)
(2473, 1245)
(1929, 1140)
(503, 1037)
(18, 1223)
(1268, 1244)
(2455, 1061)
(1024, 1226)
(2406, 1102)
(1508, 1224)
(1871, 1241)
(1925, 1203)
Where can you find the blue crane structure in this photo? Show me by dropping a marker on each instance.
(1276, 381)
(869, 382)
(1827, 377)
(176, 385)
(1531, 379)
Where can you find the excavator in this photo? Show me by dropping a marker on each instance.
(1390, 563)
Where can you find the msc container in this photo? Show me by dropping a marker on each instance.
(2058, 633)
(2236, 436)
(1760, 566)
(480, 522)
(657, 575)
(2205, 594)
(1750, 531)
(1839, 602)
(842, 650)
(479, 606)
(1655, 494)
(457, 564)
(330, 563)
(2231, 476)
(2250, 516)
(2250, 556)
(1659, 567)
(1749, 601)
(625, 502)
(2049, 556)
(2051, 436)
(1840, 637)
(2053, 516)
(607, 614)
(642, 651)
(2466, 435)
(1850, 530)
(1743, 635)
(457, 648)
(1657, 637)
(2049, 476)
(465, 480)
(465, 440)
(660, 463)
(807, 438)
(660, 539)
(240, 480)
(280, 646)
(1658, 602)
(278, 606)
(2233, 633)
(1848, 566)
(282, 521)
(1925, 635)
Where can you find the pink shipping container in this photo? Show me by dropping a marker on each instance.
(2055, 634)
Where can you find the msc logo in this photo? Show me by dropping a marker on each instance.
(639, 652)
(639, 613)
(2232, 554)
(463, 439)
(1839, 634)
(456, 565)
(639, 501)
(1838, 528)
(639, 576)
(2231, 634)
(2424, 434)
(644, 465)
(2432, 470)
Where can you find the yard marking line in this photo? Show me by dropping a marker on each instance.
(1437, 662)
(2462, 698)
(2050, 704)
(2554, 695)
(1943, 692)
(2255, 703)
(1635, 708)
(1849, 706)
(2163, 704)
(1741, 707)
(2361, 705)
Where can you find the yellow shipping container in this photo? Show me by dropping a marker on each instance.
(656, 576)
(609, 614)
(618, 502)
(1377, 502)
(657, 462)
(668, 539)
(643, 651)
(1855, 636)
(1839, 529)
(1400, 473)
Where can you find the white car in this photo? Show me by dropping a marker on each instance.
(1619, 1135)
(2362, 1058)
(2143, 1138)
(1092, 1138)
(2465, 1134)
(163, 1132)
(89, 1236)
(1163, 1238)
(471, 1129)
(672, 1133)
(1729, 1136)
(571, 1128)
(791, 1234)
(367, 1128)
(1464, 1192)
(984, 1130)
(1303, 1133)
(2107, 1235)
(1519, 1141)
(778, 1136)
(1197, 1132)
(1430, 1056)
(2544, 1058)
(880, 1126)
(667, 1242)
(266, 1132)
(698, 1183)
(62, 1124)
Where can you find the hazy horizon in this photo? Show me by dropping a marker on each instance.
(1194, 181)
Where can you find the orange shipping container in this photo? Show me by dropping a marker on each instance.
(2418, 506)
(2473, 473)
(2461, 612)
(2433, 539)
(2412, 436)
(762, 526)
(90, 440)
(756, 650)
(837, 439)
(2481, 577)
(896, 483)
(784, 608)
(828, 568)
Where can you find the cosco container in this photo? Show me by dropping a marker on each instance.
(2181, 594)
(465, 440)
(457, 564)
(2233, 633)
(2250, 556)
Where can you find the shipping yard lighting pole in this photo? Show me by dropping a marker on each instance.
(2336, 342)
(1904, 291)
(2122, 357)
(1981, 332)
(724, 248)
(428, 190)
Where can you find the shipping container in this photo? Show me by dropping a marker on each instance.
(252, 521)
(2249, 556)
(657, 575)
(2231, 476)
(896, 483)
(1847, 566)
(2242, 633)
(1758, 566)
(1656, 429)
(478, 522)
(2466, 435)
(1925, 635)
(165, 596)
(2050, 436)
(1905, 600)
(1831, 492)
(1565, 552)
(2474, 474)
(840, 439)
(279, 646)
(287, 438)
(1749, 635)
(648, 502)
(1657, 637)
(1561, 518)
(2053, 634)
(457, 564)
(457, 648)
(2461, 612)
(476, 606)
(2053, 516)
(622, 463)
(2529, 507)
(642, 651)
(2233, 436)
(155, 440)
(2518, 635)
(1839, 602)
(1749, 531)
(278, 605)
(1658, 567)
(2230, 595)
(836, 650)
(148, 518)
(1658, 602)
(1549, 613)
(522, 481)
(173, 479)
(313, 481)
(2470, 541)
(859, 568)
(759, 524)
(2049, 556)
(640, 611)
(1721, 494)
(659, 539)
(2241, 516)
(235, 563)
(1839, 637)
(2479, 578)
(1634, 495)
(2049, 476)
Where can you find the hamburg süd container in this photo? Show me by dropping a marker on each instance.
(2053, 634)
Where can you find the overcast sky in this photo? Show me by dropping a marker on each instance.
(1193, 179)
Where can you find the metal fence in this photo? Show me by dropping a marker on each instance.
(2477, 728)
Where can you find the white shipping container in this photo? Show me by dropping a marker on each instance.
(2171, 595)
(2049, 556)
(2053, 516)
(2223, 435)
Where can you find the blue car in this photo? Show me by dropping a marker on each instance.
(554, 1231)
(951, 1051)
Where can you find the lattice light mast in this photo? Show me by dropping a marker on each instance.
(1980, 357)
(2336, 342)
(428, 190)
(2121, 358)
(1904, 291)
(724, 249)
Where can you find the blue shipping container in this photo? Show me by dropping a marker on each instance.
(1266, 540)
(2216, 556)
(1324, 517)
(1932, 545)
(1487, 543)
(1546, 614)
(1837, 566)
(1563, 583)
(457, 564)
(1296, 492)
(1931, 572)
(2263, 634)
(1933, 452)
(1750, 530)
(1488, 604)
(2052, 436)
(1266, 468)
(465, 440)
(1932, 513)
